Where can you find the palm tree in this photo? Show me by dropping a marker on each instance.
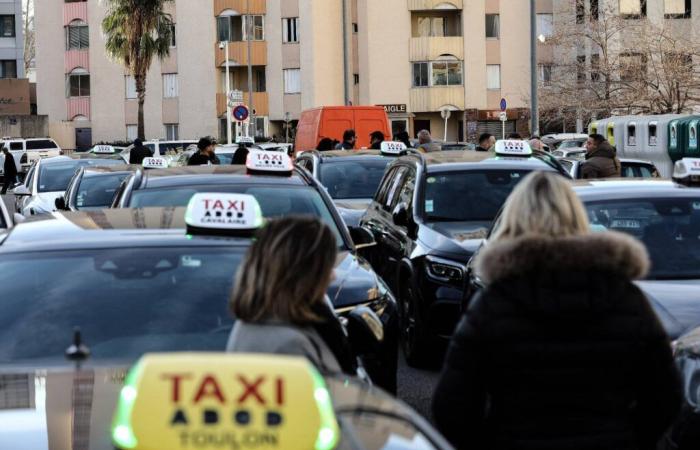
(136, 31)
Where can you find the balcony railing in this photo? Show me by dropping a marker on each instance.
(430, 48)
(425, 5)
(432, 99)
(76, 58)
(78, 106)
(256, 6)
(74, 11)
(238, 53)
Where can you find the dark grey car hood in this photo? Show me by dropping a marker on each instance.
(676, 302)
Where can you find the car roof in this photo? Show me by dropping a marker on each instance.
(617, 188)
(99, 170)
(108, 228)
(345, 155)
(214, 174)
(56, 160)
(452, 160)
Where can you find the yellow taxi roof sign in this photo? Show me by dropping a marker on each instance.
(214, 400)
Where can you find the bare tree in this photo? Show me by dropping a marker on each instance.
(29, 37)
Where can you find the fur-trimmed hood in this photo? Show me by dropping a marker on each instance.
(615, 253)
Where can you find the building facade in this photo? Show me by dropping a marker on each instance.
(11, 39)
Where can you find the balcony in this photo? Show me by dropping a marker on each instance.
(425, 5)
(430, 48)
(76, 58)
(238, 53)
(260, 102)
(74, 11)
(432, 99)
(256, 6)
(78, 106)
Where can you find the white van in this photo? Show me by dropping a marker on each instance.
(170, 150)
(27, 151)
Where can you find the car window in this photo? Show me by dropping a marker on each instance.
(173, 148)
(305, 163)
(352, 179)
(628, 171)
(98, 191)
(407, 188)
(384, 186)
(668, 227)
(16, 146)
(42, 144)
(646, 171)
(30, 177)
(566, 164)
(55, 177)
(391, 194)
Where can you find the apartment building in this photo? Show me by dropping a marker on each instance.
(11, 39)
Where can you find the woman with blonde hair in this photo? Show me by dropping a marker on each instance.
(279, 298)
(560, 350)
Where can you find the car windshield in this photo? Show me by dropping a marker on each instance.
(98, 191)
(352, 179)
(571, 144)
(55, 177)
(275, 201)
(470, 196)
(669, 227)
(111, 299)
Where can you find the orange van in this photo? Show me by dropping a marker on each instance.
(331, 121)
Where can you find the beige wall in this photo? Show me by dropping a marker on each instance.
(50, 50)
(515, 54)
(279, 57)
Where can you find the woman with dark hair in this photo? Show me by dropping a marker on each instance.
(284, 311)
(326, 144)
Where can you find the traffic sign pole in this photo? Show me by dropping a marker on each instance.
(504, 117)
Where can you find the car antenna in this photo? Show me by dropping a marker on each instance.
(77, 352)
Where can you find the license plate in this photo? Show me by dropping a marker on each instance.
(625, 223)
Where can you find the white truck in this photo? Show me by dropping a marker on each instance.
(27, 151)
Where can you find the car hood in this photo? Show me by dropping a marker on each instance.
(461, 239)
(676, 302)
(63, 409)
(355, 281)
(352, 210)
(45, 202)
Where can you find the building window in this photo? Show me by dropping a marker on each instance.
(594, 10)
(437, 73)
(260, 127)
(233, 28)
(581, 68)
(7, 26)
(170, 85)
(493, 26)
(420, 74)
(545, 25)
(632, 66)
(432, 27)
(493, 76)
(355, 28)
(260, 80)
(172, 131)
(8, 68)
(545, 73)
(289, 30)
(677, 9)
(130, 88)
(77, 36)
(580, 11)
(78, 85)
(256, 27)
(595, 67)
(173, 39)
(633, 9)
(356, 78)
(292, 81)
(132, 132)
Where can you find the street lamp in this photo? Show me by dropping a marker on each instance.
(287, 120)
(224, 46)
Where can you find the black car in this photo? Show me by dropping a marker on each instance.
(429, 215)
(93, 187)
(296, 193)
(351, 178)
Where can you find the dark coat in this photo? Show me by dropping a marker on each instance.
(138, 154)
(10, 168)
(200, 159)
(559, 351)
(601, 163)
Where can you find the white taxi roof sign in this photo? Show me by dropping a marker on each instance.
(245, 140)
(181, 400)
(687, 171)
(392, 148)
(103, 149)
(223, 212)
(155, 163)
(269, 162)
(513, 147)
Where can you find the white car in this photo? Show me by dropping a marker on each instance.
(171, 150)
(48, 180)
(27, 151)
(575, 152)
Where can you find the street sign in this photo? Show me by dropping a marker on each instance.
(503, 116)
(445, 113)
(240, 113)
(504, 105)
(235, 96)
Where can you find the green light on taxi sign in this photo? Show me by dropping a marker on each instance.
(122, 434)
(328, 432)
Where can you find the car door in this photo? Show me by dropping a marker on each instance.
(397, 240)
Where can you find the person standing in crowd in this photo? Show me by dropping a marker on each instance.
(486, 142)
(376, 139)
(560, 349)
(515, 136)
(10, 171)
(325, 145)
(426, 144)
(205, 154)
(601, 160)
(536, 144)
(139, 153)
(402, 136)
(349, 140)
(283, 311)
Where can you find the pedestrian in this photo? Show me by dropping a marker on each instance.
(284, 311)
(402, 136)
(515, 136)
(601, 159)
(536, 144)
(560, 349)
(10, 171)
(376, 139)
(426, 144)
(205, 154)
(326, 144)
(486, 142)
(138, 153)
(349, 140)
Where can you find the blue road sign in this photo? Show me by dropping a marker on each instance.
(504, 104)
(240, 113)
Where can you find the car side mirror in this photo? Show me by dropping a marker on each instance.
(400, 215)
(21, 191)
(362, 237)
(365, 330)
(60, 203)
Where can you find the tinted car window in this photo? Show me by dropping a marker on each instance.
(475, 195)
(352, 179)
(55, 177)
(16, 146)
(41, 145)
(669, 227)
(111, 298)
(98, 191)
(393, 188)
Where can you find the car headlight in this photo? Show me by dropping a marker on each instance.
(444, 270)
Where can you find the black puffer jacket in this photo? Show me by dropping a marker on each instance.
(560, 351)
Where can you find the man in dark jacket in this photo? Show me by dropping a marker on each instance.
(206, 154)
(486, 142)
(349, 140)
(10, 169)
(601, 160)
(376, 139)
(139, 153)
(559, 351)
